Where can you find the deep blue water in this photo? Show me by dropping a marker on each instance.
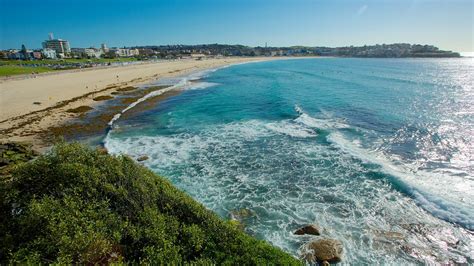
(378, 152)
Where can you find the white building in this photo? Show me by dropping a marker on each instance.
(198, 56)
(59, 45)
(92, 52)
(49, 53)
(134, 52)
(104, 48)
(125, 52)
(87, 52)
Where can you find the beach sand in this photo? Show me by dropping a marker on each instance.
(31, 107)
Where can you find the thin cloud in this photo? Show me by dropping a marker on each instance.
(362, 10)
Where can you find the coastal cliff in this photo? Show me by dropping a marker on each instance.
(77, 205)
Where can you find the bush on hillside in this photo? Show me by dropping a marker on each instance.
(77, 205)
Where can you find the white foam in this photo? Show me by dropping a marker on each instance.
(317, 123)
(245, 165)
(291, 129)
(248, 164)
(176, 149)
(200, 85)
(446, 196)
(184, 83)
(449, 197)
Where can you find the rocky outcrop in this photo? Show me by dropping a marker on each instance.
(12, 154)
(102, 150)
(142, 158)
(241, 214)
(310, 229)
(324, 251)
(239, 217)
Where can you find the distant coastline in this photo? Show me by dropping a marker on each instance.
(396, 50)
(27, 62)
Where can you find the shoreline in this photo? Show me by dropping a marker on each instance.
(24, 118)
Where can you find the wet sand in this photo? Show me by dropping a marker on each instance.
(39, 110)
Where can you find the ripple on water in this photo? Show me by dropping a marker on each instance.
(292, 179)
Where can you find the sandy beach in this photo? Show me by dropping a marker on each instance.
(29, 106)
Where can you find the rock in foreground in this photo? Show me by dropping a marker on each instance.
(324, 250)
(308, 230)
(142, 158)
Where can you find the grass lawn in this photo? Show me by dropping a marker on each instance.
(11, 70)
(18, 67)
(66, 61)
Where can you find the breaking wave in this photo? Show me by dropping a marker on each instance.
(447, 197)
(375, 195)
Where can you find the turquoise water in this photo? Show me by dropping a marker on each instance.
(378, 152)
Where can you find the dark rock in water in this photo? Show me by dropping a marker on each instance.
(80, 109)
(324, 250)
(142, 158)
(310, 229)
(241, 214)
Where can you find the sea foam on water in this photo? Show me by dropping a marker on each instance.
(297, 148)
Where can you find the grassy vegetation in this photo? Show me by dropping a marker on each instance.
(10, 70)
(77, 205)
(67, 61)
(18, 67)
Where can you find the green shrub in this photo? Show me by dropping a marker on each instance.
(77, 205)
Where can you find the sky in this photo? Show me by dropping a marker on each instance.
(447, 24)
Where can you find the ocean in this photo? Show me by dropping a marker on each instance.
(378, 152)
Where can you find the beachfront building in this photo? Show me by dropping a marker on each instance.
(104, 48)
(147, 52)
(61, 47)
(36, 55)
(198, 56)
(14, 54)
(119, 51)
(23, 54)
(49, 53)
(78, 52)
(134, 52)
(93, 53)
(125, 52)
(86, 52)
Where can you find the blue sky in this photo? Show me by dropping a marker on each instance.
(447, 24)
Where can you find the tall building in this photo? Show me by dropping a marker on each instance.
(60, 46)
(104, 48)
